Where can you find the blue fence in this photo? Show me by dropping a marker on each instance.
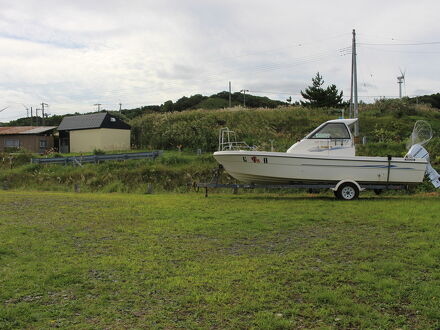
(79, 160)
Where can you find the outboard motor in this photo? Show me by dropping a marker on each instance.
(422, 134)
(417, 151)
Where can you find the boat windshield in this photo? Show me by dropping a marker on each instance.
(332, 131)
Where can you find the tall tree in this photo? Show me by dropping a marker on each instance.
(317, 96)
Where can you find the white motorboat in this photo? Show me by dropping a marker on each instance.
(326, 155)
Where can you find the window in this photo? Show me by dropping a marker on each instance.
(12, 143)
(43, 144)
(332, 131)
(113, 119)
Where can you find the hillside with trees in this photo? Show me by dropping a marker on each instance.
(197, 101)
(433, 100)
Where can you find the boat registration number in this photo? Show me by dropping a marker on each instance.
(255, 159)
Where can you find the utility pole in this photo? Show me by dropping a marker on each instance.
(32, 115)
(27, 111)
(36, 115)
(230, 103)
(354, 92)
(120, 107)
(98, 105)
(42, 110)
(350, 109)
(244, 96)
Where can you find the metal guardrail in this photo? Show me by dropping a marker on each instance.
(79, 160)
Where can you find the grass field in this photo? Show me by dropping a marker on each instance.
(266, 261)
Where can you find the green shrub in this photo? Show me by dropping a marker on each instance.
(11, 149)
(98, 152)
(15, 159)
(382, 149)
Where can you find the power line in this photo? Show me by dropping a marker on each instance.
(345, 96)
(265, 92)
(401, 44)
(261, 68)
(392, 38)
(364, 46)
(296, 44)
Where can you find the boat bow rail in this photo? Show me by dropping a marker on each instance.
(227, 140)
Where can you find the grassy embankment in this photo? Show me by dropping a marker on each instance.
(386, 125)
(172, 171)
(183, 261)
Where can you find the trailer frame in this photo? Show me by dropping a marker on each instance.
(335, 186)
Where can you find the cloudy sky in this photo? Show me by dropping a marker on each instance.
(74, 54)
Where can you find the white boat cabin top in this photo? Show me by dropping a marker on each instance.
(332, 138)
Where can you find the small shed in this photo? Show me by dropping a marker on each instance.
(36, 139)
(85, 133)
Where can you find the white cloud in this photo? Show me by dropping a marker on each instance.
(72, 54)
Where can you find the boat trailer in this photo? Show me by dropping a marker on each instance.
(344, 189)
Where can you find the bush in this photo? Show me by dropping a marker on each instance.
(11, 149)
(397, 107)
(15, 159)
(98, 152)
(382, 149)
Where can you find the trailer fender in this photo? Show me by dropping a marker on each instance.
(335, 188)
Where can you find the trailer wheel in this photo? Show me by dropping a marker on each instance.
(347, 191)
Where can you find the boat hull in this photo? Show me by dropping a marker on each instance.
(284, 168)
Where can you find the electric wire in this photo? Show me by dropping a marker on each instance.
(259, 68)
(296, 44)
(400, 44)
(398, 51)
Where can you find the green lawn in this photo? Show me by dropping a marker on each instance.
(228, 261)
